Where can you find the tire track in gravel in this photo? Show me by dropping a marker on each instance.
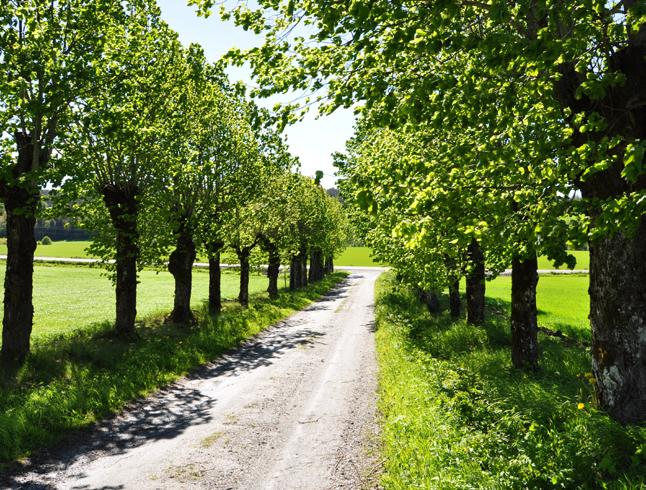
(294, 408)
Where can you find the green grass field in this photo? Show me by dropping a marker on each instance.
(562, 301)
(360, 256)
(70, 297)
(57, 249)
(355, 256)
(455, 414)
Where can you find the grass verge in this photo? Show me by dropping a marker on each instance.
(456, 415)
(75, 379)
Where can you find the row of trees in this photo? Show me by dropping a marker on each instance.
(490, 128)
(150, 147)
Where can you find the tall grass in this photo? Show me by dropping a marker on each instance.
(456, 415)
(74, 379)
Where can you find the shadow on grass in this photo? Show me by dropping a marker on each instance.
(73, 380)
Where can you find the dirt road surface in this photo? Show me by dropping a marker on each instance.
(292, 409)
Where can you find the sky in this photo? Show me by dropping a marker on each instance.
(314, 139)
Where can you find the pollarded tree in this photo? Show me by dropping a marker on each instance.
(230, 146)
(198, 145)
(116, 147)
(47, 54)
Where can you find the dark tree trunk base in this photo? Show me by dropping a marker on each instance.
(454, 298)
(298, 272)
(329, 264)
(273, 270)
(316, 266)
(431, 301)
(618, 320)
(215, 278)
(524, 325)
(20, 206)
(180, 265)
(123, 207)
(476, 285)
(243, 256)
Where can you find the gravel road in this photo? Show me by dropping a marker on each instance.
(292, 409)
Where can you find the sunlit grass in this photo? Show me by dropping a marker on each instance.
(456, 415)
(356, 256)
(562, 301)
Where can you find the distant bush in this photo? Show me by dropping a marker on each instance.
(46, 240)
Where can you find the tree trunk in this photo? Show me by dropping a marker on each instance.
(180, 265)
(303, 265)
(329, 264)
(273, 270)
(294, 270)
(215, 288)
(618, 320)
(20, 206)
(476, 285)
(123, 207)
(454, 298)
(524, 326)
(430, 300)
(243, 256)
(316, 265)
(617, 261)
(298, 271)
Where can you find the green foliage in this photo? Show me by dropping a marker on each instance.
(455, 416)
(46, 240)
(73, 380)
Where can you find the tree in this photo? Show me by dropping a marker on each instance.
(47, 53)
(199, 136)
(115, 152)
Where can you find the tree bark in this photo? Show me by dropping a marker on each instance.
(329, 264)
(180, 265)
(20, 206)
(20, 193)
(273, 270)
(618, 320)
(524, 325)
(243, 256)
(303, 265)
(476, 285)
(454, 298)
(123, 207)
(431, 301)
(298, 271)
(215, 278)
(316, 265)
(617, 260)
(294, 270)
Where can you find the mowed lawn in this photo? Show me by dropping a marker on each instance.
(356, 256)
(57, 249)
(361, 256)
(562, 301)
(72, 297)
